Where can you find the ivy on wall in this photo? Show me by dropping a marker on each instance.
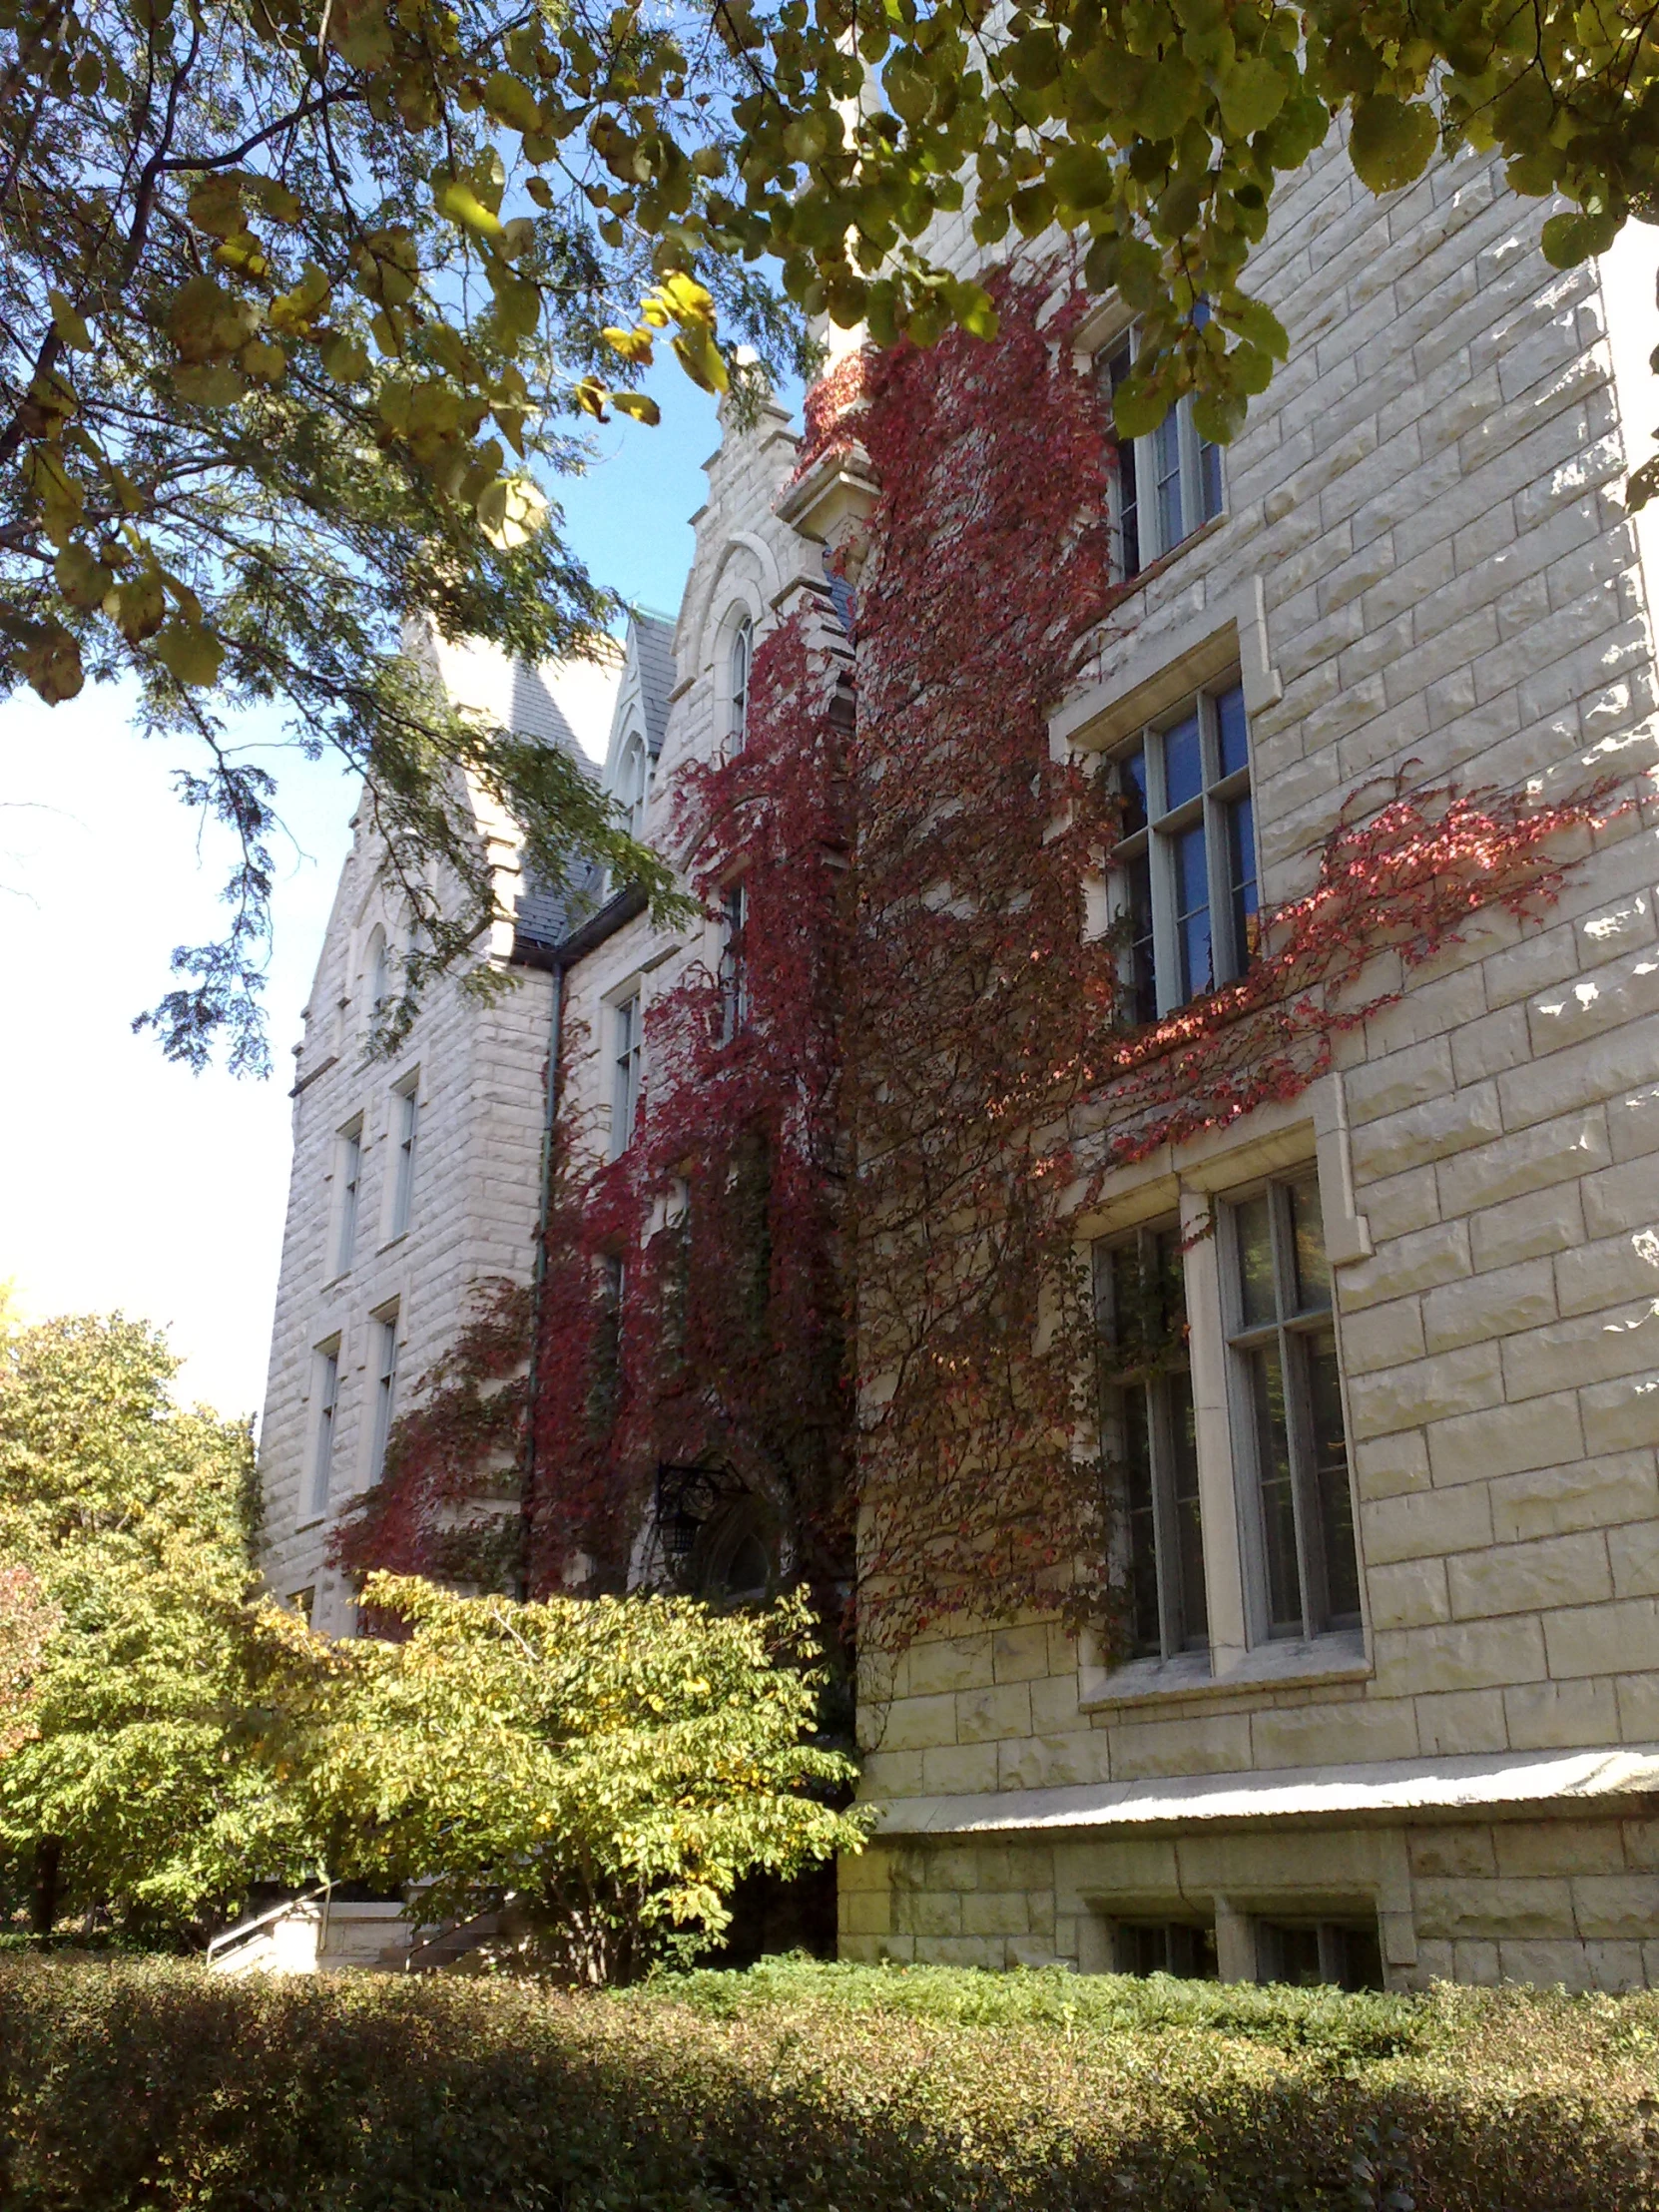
(832, 1284)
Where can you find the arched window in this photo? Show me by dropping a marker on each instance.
(631, 791)
(379, 979)
(739, 662)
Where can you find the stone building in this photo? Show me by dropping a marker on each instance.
(1389, 1709)
(415, 1179)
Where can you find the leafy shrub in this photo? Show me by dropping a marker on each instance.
(797, 2088)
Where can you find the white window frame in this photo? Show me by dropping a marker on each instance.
(349, 1171)
(380, 975)
(1199, 463)
(635, 783)
(1215, 808)
(326, 1359)
(1287, 1337)
(387, 1321)
(739, 678)
(1157, 1401)
(405, 1107)
(626, 1066)
(1204, 1179)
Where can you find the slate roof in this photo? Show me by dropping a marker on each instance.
(654, 642)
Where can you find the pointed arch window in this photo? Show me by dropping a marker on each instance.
(632, 786)
(739, 668)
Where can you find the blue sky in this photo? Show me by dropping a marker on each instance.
(132, 1184)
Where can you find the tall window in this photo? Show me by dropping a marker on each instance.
(407, 1112)
(1150, 1438)
(632, 793)
(605, 1377)
(740, 661)
(327, 1400)
(733, 981)
(625, 1072)
(1186, 863)
(1166, 485)
(1284, 1345)
(385, 1388)
(379, 976)
(350, 1182)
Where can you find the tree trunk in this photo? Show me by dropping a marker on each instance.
(43, 1912)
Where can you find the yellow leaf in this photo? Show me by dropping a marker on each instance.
(700, 357)
(638, 404)
(633, 345)
(462, 205)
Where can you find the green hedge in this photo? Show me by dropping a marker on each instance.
(802, 2088)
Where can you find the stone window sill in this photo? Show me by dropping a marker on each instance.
(305, 1527)
(1290, 1664)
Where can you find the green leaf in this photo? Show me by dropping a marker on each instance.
(210, 384)
(189, 653)
(50, 661)
(1251, 95)
(510, 101)
(69, 323)
(82, 577)
(1568, 239)
(1256, 322)
(1138, 408)
(1391, 141)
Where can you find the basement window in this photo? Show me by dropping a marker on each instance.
(1182, 1948)
(1310, 1954)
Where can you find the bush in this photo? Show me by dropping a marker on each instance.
(797, 2088)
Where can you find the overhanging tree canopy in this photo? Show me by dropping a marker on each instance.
(298, 295)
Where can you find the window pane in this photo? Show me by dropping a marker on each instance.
(1192, 892)
(1313, 1269)
(1267, 1390)
(1232, 730)
(1254, 1221)
(1166, 471)
(1121, 454)
(1135, 1446)
(1209, 479)
(1182, 763)
(1143, 976)
(1189, 1527)
(1289, 1954)
(1133, 783)
(1241, 878)
(1336, 1501)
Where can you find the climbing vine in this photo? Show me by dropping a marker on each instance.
(834, 1284)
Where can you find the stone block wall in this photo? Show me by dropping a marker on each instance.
(1429, 575)
(480, 1072)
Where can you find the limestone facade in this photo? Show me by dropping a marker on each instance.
(1420, 568)
(415, 1178)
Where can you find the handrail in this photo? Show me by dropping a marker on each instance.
(455, 1927)
(233, 1936)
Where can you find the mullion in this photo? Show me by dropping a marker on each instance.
(1304, 1502)
(1171, 1627)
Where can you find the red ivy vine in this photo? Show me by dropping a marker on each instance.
(877, 1175)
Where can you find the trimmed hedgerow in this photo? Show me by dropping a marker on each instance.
(800, 2088)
